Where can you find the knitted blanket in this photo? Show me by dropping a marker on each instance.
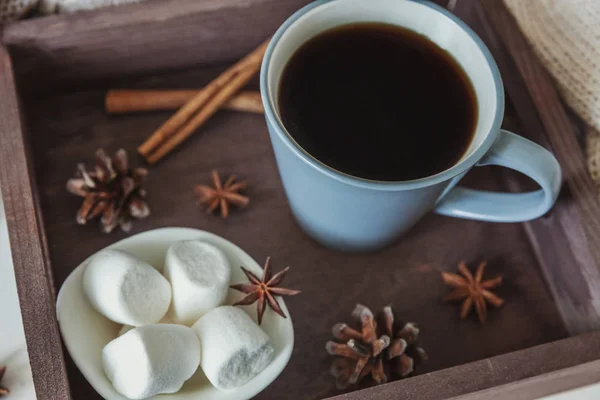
(565, 34)
(56, 6)
(15, 9)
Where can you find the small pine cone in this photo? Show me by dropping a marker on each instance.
(112, 192)
(379, 348)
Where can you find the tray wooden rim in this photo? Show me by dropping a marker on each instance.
(28, 241)
(28, 246)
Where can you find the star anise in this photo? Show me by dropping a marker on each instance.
(3, 391)
(473, 289)
(111, 191)
(381, 350)
(220, 195)
(264, 290)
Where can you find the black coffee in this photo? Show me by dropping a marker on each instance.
(378, 102)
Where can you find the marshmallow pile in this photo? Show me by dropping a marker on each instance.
(174, 323)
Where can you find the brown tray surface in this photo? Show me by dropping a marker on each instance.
(66, 128)
(67, 125)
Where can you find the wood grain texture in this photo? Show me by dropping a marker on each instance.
(543, 385)
(80, 56)
(137, 38)
(565, 239)
(67, 127)
(33, 276)
(508, 373)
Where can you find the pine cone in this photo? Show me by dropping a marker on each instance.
(379, 349)
(112, 191)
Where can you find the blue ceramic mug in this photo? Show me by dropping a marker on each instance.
(351, 213)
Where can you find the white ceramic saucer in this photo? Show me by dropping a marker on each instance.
(85, 331)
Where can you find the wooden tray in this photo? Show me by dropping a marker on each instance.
(54, 72)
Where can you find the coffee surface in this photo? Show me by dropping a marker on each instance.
(378, 102)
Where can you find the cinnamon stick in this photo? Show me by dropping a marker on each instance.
(120, 101)
(201, 107)
(203, 115)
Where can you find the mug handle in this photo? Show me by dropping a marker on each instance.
(515, 152)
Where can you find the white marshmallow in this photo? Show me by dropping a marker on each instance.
(234, 347)
(125, 289)
(151, 359)
(199, 274)
(126, 328)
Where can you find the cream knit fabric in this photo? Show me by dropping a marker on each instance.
(566, 36)
(62, 6)
(15, 9)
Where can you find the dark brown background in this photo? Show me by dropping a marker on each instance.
(67, 128)
(65, 123)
